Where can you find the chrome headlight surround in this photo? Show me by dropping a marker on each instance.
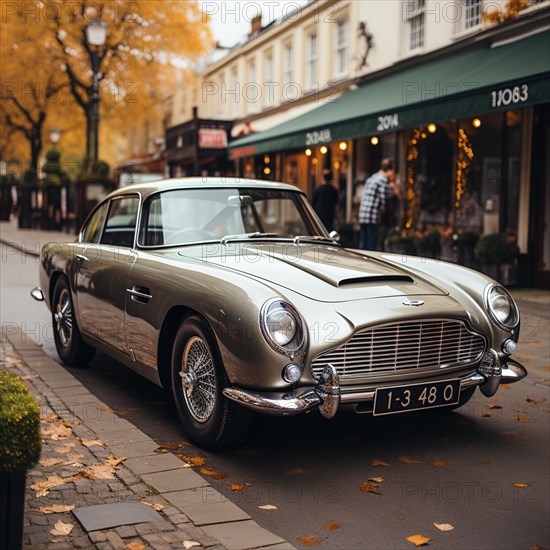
(501, 307)
(282, 327)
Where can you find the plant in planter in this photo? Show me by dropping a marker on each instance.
(20, 444)
(498, 253)
(466, 243)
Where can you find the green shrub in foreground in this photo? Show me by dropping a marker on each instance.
(20, 439)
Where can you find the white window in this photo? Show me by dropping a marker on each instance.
(252, 89)
(415, 16)
(222, 97)
(287, 64)
(342, 46)
(472, 11)
(233, 94)
(311, 60)
(268, 85)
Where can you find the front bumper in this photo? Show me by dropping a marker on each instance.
(327, 394)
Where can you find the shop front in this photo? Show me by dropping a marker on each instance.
(463, 128)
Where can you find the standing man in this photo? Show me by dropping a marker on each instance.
(376, 192)
(325, 199)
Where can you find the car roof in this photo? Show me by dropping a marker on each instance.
(148, 188)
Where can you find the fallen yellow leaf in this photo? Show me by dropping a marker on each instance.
(521, 485)
(61, 529)
(267, 507)
(439, 463)
(378, 462)
(64, 450)
(114, 461)
(56, 509)
(366, 487)
(486, 413)
(238, 486)
(158, 507)
(194, 460)
(444, 526)
(187, 544)
(50, 418)
(493, 406)
(521, 418)
(418, 540)
(213, 474)
(310, 541)
(297, 471)
(409, 460)
(135, 546)
(376, 479)
(331, 526)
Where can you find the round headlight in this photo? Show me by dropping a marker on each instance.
(281, 326)
(502, 307)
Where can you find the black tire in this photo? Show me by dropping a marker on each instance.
(70, 346)
(211, 423)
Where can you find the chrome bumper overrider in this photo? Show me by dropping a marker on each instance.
(37, 294)
(327, 394)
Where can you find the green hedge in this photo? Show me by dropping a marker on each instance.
(20, 439)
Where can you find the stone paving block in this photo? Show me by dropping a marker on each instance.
(115, 540)
(174, 480)
(126, 531)
(242, 535)
(194, 497)
(217, 512)
(124, 436)
(153, 463)
(107, 516)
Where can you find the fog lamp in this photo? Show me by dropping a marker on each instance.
(292, 373)
(509, 346)
(490, 365)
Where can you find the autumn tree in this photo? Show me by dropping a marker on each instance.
(144, 40)
(511, 10)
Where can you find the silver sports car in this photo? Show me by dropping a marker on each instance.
(232, 293)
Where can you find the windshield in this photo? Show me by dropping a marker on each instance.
(186, 216)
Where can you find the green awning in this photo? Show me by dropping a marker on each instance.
(473, 82)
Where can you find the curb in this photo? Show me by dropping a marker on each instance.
(19, 248)
(175, 482)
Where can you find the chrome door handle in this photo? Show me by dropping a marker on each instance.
(81, 257)
(141, 295)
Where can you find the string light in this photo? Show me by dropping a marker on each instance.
(267, 160)
(464, 158)
(476, 123)
(432, 128)
(410, 194)
(343, 146)
(308, 152)
(374, 140)
(323, 149)
(267, 170)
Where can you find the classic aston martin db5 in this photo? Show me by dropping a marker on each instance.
(232, 293)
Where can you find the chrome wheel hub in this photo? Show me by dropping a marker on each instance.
(198, 379)
(63, 317)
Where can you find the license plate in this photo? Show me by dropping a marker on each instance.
(413, 397)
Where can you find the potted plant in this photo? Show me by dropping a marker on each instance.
(20, 445)
(466, 243)
(498, 253)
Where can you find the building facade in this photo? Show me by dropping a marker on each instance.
(457, 92)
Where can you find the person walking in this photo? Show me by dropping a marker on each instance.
(375, 194)
(325, 200)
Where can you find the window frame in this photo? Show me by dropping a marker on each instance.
(137, 223)
(468, 7)
(341, 50)
(312, 58)
(417, 16)
(288, 65)
(97, 207)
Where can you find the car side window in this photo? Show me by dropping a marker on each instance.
(120, 227)
(91, 232)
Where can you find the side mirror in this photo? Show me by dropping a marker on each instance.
(335, 236)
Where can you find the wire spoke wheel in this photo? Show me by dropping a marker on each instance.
(64, 318)
(198, 379)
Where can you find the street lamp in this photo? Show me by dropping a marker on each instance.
(96, 35)
(55, 136)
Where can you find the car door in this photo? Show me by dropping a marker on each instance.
(103, 273)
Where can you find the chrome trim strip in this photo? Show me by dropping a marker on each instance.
(284, 404)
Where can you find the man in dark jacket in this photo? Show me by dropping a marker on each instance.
(325, 199)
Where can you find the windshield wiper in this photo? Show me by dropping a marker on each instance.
(299, 238)
(255, 235)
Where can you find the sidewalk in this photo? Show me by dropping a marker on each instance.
(102, 483)
(30, 241)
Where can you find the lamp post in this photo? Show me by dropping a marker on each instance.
(96, 35)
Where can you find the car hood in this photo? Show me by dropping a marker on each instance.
(321, 272)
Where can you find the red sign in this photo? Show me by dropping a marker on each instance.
(212, 138)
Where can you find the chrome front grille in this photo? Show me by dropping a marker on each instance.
(398, 347)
